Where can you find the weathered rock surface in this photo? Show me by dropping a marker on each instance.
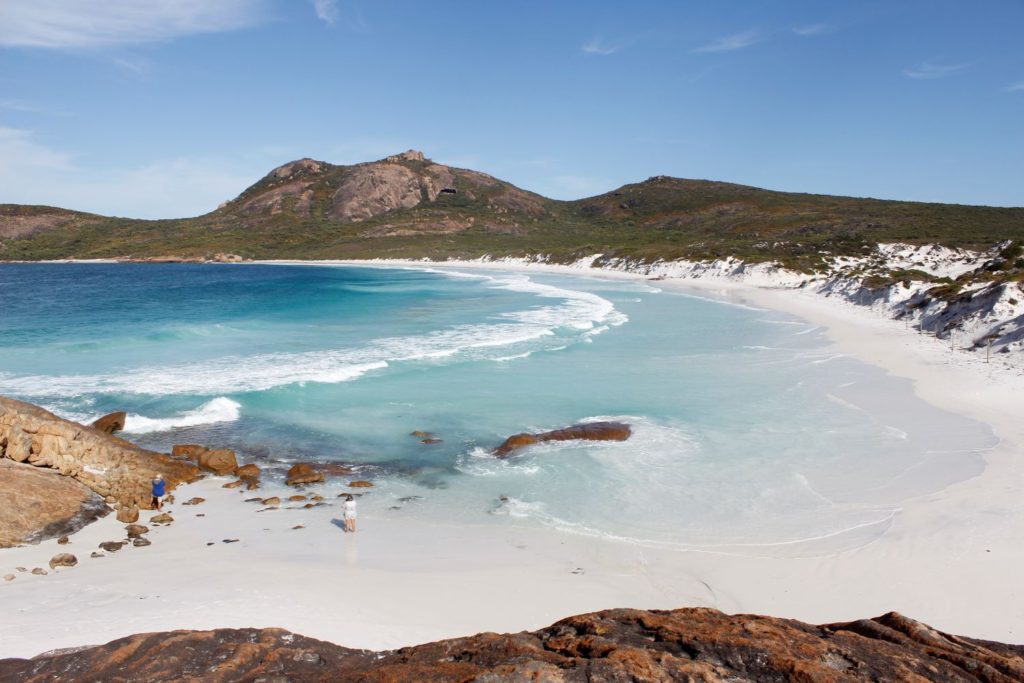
(63, 560)
(37, 504)
(303, 473)
(220, 461)
(112, 546)
(136, 530)
(162, 518)
(190, 451)
(128, 514)
(194, 501)
(108, 424)
(590, 431)
(615, 645)
(106, 464)
(361, 484)
(249, 471)
(368, 190)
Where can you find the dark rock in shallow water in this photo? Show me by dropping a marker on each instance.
(590, 431)
(615, 645)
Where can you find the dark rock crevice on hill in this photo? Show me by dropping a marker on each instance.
(615, 645)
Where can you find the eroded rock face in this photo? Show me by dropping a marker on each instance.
(615, 645)
(368, 190)
(590, 431)
(108, 465)
(36, 505)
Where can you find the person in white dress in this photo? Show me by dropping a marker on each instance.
(349, 513)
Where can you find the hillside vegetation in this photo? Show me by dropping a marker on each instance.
(407, 206)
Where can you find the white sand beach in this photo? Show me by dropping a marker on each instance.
(951, 559)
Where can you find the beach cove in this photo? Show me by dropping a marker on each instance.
(943, 553)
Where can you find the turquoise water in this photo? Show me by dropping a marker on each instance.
(750, 432)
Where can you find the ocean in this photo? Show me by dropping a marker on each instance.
(751, 435)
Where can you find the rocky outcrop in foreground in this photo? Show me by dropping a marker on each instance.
(36, 505)
(110, 466)
(615, 645)
(589, 431)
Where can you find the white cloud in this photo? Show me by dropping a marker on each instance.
(596, 46)
(930, 69)
(1015, 87)
(736, 41)
(33, 173)
(813, 29)
(326, 11)
(94, 23)
(20, 152)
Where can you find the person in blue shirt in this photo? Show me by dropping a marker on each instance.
(158, 492)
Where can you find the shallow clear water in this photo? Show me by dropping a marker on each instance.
(750, 433)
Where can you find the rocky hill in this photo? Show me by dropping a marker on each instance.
(407, 206)
(615, 645)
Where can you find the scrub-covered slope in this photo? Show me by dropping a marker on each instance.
(407, 206)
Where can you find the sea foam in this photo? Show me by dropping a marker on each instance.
(220, 409)
(515, 334)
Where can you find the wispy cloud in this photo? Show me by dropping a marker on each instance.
(1015, 87)
(138, 67)
(931, 69)
(598, 46)
(813, 29)
(19, 150)
(97, 23)
(19, 105)
(326, 11)
(736, 41)
(337, 12)
(32, 172)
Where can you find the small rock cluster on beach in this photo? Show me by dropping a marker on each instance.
(696, 644)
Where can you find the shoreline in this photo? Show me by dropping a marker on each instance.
(948, 560)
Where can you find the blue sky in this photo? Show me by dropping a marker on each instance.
(162, 108)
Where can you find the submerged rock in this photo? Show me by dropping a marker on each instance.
(360, 484)
(303, 473)
(695, 644)
(589, 431)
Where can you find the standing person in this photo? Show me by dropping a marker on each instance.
(349, 512)
(159, 488)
